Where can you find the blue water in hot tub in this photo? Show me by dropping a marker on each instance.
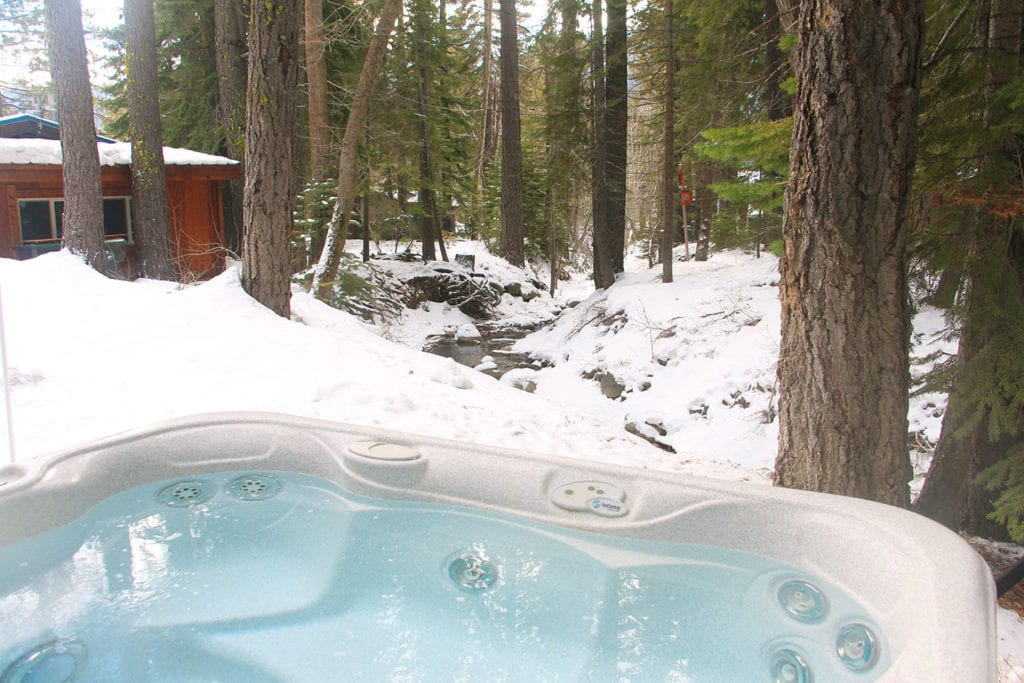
(285, 577)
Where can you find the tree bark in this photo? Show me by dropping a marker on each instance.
(316, 83)
(789, 15)
(843, 366)
(83, 192)
(487, 122)
(327, 269)
(154, 247)
(269, 168)
(668, 171)
(617, 92)
(429, 224)
(230, 52)
(512, 233)
(779, 103)
(604, 274)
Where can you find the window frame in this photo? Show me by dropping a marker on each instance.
(56, 219)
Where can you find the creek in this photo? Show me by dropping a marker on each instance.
(495, 342)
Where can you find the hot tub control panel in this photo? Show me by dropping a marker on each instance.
(597, 497)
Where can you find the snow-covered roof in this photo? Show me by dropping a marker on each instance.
(32, 126)
(35, 151)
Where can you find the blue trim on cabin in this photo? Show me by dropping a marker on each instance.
(31, 126)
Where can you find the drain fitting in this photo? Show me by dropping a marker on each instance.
(472, 570)
(185, 493)
(254, 487)
(56, 662)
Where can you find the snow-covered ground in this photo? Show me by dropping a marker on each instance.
(695, 362)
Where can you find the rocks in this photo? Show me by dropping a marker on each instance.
(474, 296)
(736, 398)
(468, 334)
(610, 386)
(486, 364)
(649, 431)
(698, 407)
(520, 378)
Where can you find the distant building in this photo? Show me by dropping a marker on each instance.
(32, 197)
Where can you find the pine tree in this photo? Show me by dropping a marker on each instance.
(231, 67)
(972, 157)
(511, 144)
(151, 223)
(316, 91)
(558, 48)
(603, 240)
(83, 193)
(668, 200)
(327, 268)
(422, 18)
(617, 126)
(843, 374)
(269, 140)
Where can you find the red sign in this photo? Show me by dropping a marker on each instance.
(686, 197)
(681, 183)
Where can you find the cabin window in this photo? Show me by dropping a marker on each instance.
(116, 217)
(42, 220)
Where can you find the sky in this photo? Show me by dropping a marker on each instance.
(697, 358)
(16, 65)
(103, 12)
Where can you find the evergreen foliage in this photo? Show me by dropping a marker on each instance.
(971, 240)
(22, 32)
(759, 154)
(724, 136)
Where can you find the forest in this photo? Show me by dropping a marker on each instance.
(569, 133)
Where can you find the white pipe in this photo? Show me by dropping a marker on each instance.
(7, 383)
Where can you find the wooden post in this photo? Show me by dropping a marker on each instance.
(685, 198)
(686, 236)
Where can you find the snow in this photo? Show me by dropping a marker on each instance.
(695, 356)
(694, 360)
(33, 151)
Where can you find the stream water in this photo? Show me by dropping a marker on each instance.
(494, 343)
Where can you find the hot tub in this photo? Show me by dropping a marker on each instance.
(255, 547)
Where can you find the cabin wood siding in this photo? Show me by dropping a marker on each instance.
(194, 199)
(196, 219)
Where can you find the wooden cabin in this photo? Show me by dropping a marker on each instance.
(32, 192)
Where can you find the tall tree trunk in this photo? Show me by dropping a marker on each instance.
(553, 160)
(269, 168)
(229, 21)
(512, 233)
(83, 192)
(604, 273)
(566, 132)
(617, 89)
(780, 105)
(429, 223)
(486, 147)
(365, 214)
(668, 172)
(789, 15)
(154, 247)
(316, 83)
(843, 366)
(327, 269)
(976, 433)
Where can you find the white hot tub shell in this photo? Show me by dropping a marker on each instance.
(930, 594)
